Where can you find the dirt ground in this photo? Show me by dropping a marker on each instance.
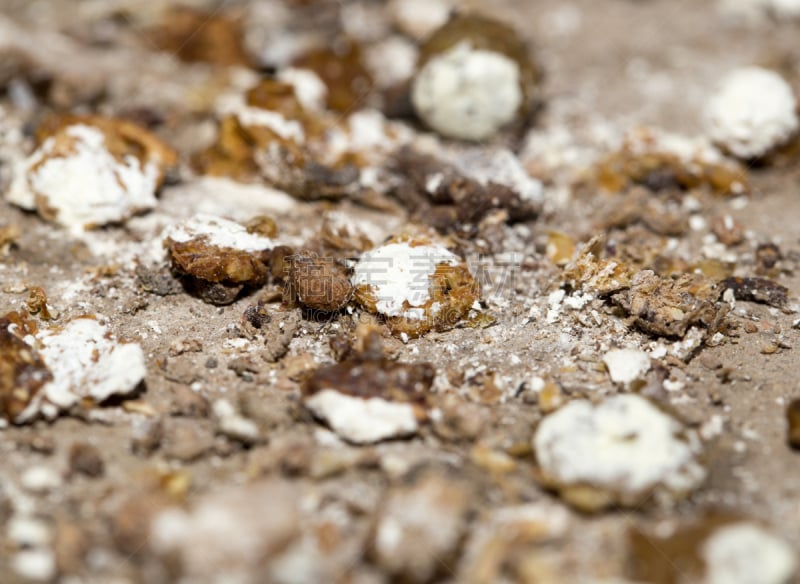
(298, 503)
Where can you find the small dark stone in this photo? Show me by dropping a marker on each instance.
(160, 282)
(755, 289)
(793, 419)
(767, 255)
(85, 459)
(257, 315)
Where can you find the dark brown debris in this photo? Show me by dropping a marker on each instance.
(728, 230)
(767, 257)
(756, 289)
(198, 36)
(437, 194)
(256, 316)
(9, 235)
(340, 66)
(317, 283)
(668, 307)
(22, 370)
(207, 262)
(217, 275)
(37, 304)
(793, 421)
(643, 160)
(158, 281)
(368, 373)
(86, 459)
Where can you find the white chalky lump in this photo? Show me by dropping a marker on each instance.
(468, 93)
(218, 232)
(363, 421)
(624, 448)
(86, 361)
(744, 553)
(626, 365)
(753, 112)
(87, 188)
(420, 18)
(310, 90)
(399, 276)
(499, 166)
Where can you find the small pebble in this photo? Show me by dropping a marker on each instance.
(793, 420)
(86, 459)
(626, 366)
(41, 479)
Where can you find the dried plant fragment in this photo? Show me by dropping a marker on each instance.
(318, 283)
(659, 160)
(620, 451)
(454, 195)
(341, 67)
(728, 230)
(416, 284)
(197, 36)
(341, 238)
(274, 134)
(22, 370)
(768, 255)
(89, 171)
(37, 304)
(591, 272)
(560, 248)
(218, 257)
(9, 234)
(756, 289)
(368, 398)
(668, 307)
